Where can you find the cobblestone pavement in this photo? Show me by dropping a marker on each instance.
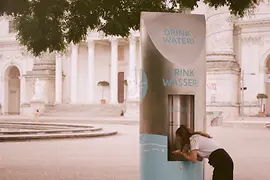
(116, 157)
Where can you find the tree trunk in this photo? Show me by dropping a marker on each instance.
(126, 99)
(261, 103)
(126, 93)
(102, 93)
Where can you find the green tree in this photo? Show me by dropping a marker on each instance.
(50, 25)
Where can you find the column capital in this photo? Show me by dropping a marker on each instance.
(58, 55)
(91, 38)
(114, 40)
(74, 46)
(61, 56)
(94, 35)
(132, 40)
(91, 42)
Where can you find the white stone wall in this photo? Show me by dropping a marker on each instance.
(250, 64)
(225, 97)
(254, 51)
(224, 93)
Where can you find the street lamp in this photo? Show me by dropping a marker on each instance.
(243, 88)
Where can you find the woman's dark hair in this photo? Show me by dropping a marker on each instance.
(185, 133)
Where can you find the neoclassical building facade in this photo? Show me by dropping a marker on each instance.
(71, 77)
(237, 56)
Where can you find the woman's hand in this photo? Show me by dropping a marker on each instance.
(199, 158)
(186, 155)
(191, 157)
(177, 152)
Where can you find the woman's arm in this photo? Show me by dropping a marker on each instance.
(192, 156)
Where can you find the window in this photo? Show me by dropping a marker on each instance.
(11, 28)
(121, 52)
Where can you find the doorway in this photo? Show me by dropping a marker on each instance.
(12, 91)
(121, 87)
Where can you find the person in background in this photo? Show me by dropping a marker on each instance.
(37, 113)
(203, 145)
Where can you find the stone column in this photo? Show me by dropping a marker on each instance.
(2, 95)
(114, 72)
(58, 79)
(91, 64)
(74, 74)
(132, 70)
(139, 73)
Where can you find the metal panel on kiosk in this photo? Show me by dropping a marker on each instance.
(173, 67)
(180, 111)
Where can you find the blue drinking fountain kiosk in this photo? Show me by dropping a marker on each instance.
(172, 93)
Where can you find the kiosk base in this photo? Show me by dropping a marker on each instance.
(155, 166)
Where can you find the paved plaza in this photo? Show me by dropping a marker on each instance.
(117, 157)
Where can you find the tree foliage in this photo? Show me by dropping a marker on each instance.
(50, 25)
(262, 96)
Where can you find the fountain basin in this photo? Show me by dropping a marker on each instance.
(18, 131)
